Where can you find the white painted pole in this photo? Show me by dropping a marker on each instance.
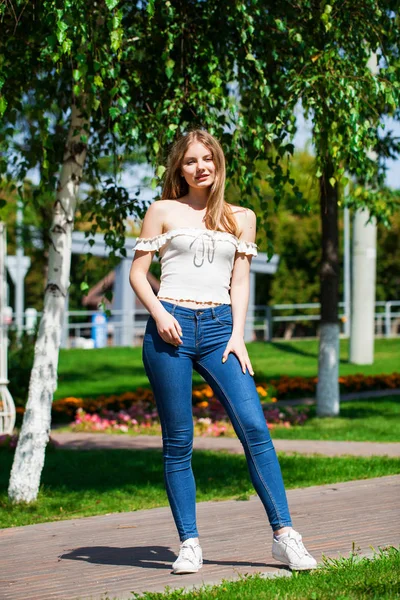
(20, 272)
(346, 271)
(249, 325)
(7, 407)
(362, 324)
(362, 328)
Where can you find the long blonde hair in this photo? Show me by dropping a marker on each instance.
(219, 214)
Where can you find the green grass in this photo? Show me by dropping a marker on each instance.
(85, 373)
(376, 420)
(84, 483)
(350, 578)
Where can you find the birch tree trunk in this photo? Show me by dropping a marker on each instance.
(328, 403)
(30, 452)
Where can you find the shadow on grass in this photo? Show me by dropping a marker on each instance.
(113, 376)
(216, 473)
(100, 371)
(294, 349)
(366, 409)
(105, 470)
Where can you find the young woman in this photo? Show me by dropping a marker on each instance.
(197, 322)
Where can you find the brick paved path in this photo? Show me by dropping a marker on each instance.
(103, 440)
(109, 556)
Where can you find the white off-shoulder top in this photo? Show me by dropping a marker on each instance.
(196, 263)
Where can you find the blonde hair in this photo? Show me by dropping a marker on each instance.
(219, 214)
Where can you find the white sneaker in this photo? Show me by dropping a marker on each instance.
(291, 551)
(190, 558)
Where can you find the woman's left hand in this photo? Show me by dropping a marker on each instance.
(237, 346)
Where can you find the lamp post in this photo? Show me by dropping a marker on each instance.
(7, 407)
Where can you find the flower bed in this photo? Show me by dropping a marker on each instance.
(297, 387)
(214, 421)
(135, 412)
(269, 391)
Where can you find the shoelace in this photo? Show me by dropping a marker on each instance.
(299, 542)
(188, 553)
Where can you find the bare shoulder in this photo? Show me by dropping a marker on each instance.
(246, 220)
(153, 221)
(158, 208)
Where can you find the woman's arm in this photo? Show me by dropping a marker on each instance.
(167, 326)
(240, 282)
(239, 292)
(152, 225)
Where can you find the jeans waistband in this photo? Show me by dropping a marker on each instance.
(193, 313)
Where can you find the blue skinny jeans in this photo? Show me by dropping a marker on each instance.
(169, 368)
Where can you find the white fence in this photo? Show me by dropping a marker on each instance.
(278, 322)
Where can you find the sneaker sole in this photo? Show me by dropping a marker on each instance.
(185, 571)
(295, 567)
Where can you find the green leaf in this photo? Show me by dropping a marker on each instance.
(84, 286)
(169, 68)
(3, 105)
(2, 203)
(114, 112)
(160, 170)
(332, 181)
(111, 4)
(280, 25)
(249, 56)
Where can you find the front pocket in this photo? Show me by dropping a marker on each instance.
(225, 319)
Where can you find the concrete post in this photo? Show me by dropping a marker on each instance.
(249, 330)
(7, 406)
(346, 271)
(364, 276)
(19, 283)
(123, 301)
(362, 324)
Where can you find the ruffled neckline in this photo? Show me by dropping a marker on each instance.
(194, 229)
(158, 241)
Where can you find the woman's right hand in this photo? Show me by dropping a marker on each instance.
(169, 329)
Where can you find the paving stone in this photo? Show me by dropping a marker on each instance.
(109, 556)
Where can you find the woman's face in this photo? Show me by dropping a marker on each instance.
(198, 167)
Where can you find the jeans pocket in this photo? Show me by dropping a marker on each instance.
(225, 319)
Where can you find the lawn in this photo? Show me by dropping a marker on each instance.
(376, 420)
(84, 373)
(84, 483)
(349, 578)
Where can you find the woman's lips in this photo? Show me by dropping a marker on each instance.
(202, 177)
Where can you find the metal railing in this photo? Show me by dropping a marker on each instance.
(264, 321)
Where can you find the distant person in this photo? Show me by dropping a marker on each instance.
(197, 322)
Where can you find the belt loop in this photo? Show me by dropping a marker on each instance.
(213, 312)
(173, 309)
